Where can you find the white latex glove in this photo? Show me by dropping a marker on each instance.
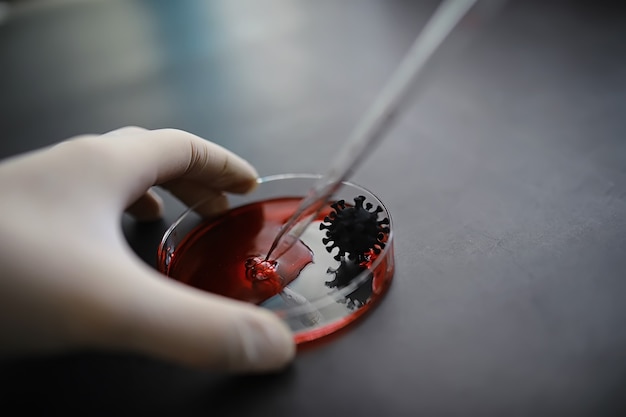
(69, 280)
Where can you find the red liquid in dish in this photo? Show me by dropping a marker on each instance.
(226, 256)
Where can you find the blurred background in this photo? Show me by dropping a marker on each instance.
(97, 65)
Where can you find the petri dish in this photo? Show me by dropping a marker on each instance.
(341, 267)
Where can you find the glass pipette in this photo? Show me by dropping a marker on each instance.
(375, 123)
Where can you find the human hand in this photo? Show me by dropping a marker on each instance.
(69, 279)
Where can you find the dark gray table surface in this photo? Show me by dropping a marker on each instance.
(506, 181)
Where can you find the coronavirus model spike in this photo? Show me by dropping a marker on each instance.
(343, 276)
(355, 230)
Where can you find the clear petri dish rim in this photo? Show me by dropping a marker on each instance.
(333, 295)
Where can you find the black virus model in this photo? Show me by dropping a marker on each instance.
(359, 236)
(355, 230)
(343, 275)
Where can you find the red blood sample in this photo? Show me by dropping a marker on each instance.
(226, 255)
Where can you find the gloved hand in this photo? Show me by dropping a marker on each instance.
(69, 279)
